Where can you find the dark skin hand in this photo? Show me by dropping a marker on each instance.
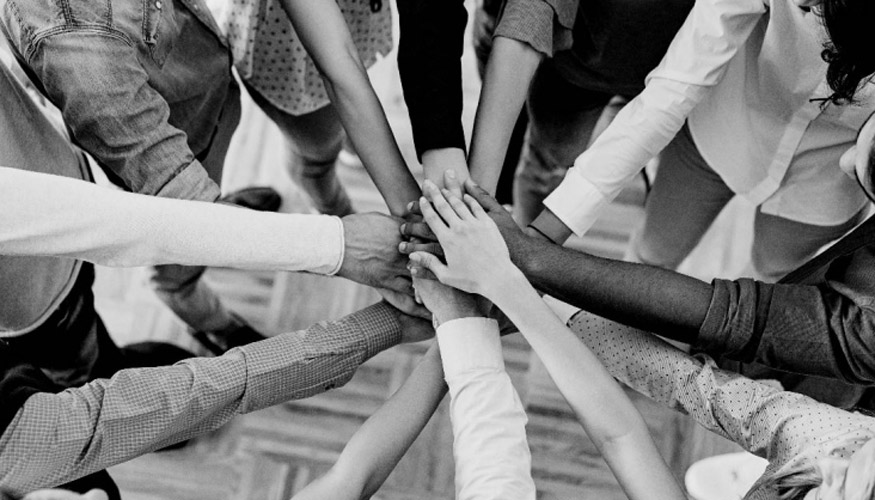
(653, 299)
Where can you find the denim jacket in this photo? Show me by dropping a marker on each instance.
(144, 85)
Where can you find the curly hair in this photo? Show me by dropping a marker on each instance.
(848, 51)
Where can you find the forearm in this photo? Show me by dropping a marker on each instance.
(509, 73)
(365, 121)
(58, 437)
(602, 407)
(325, 34)
(51, 215)
(658, 300)
(608, 416)
(377, 447)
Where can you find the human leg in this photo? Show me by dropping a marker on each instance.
(561, 120)
(686, 197)
(781, 245)
(314, 141)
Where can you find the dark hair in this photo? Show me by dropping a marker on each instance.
(850, 59)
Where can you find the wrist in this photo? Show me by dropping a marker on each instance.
(506, 284)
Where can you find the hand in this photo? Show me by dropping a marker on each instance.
(404, 303)
(371, 254)
(413, 328)
(519, 243)
(446, 303)
(477, 257)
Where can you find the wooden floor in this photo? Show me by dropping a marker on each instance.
(271, 454)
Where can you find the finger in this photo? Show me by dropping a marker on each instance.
(430, 262)
(418, 230)
(422, 273)
(458, 205)
(413, 208)
(451, 182)
(482, 196)
(400, 284)
(407, 248)
(434, 221)
(475, 207)
(440, 204)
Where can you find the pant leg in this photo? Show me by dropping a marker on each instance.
(781, 245)
(686, 197)
(313, 140)
(561, 120)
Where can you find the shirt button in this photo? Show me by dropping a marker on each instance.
(158, 5)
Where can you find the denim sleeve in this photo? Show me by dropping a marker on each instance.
(430, 66)
(812, 330)
(96, 80)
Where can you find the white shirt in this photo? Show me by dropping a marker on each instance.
(43, 214)
(492, 455)
(743, 72)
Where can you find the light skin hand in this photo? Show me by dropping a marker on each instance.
(520, 244)
(478, 260)
(371, 254)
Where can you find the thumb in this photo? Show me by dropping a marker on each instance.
(430, 262)
(483, 197)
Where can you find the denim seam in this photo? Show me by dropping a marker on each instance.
(90, 28)
(26, 30)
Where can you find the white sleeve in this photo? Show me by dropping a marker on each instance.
(492, 455)
(43, 214)
(696, 61)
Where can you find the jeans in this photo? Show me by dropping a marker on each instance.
(688, 195)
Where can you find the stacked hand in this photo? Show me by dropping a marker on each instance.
(477, 258)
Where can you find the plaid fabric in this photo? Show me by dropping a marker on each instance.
(789, 429)
(56, 438)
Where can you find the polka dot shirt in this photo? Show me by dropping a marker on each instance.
(788, 429)
(272, 60)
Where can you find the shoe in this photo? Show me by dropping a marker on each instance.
(263, 199)
(238, 334)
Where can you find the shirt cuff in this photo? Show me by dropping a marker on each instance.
(335, 249)
(469, 344)
(561, 309)
(191, 183)
(576, 202)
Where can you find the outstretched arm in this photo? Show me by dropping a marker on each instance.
(663, 301)
(377, 447)
(326, 37)
(478, 261)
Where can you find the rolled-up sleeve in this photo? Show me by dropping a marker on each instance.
(96, 80)
(812, 330)
(56, 438)
(545, 25)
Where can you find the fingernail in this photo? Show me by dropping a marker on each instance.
(451, 174)
(410, 206)
(404, 228)
(402, 246)
(414, 270)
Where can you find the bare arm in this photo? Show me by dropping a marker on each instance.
(377, 447)
(478, 261)
(326, 36)
(509, 73)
